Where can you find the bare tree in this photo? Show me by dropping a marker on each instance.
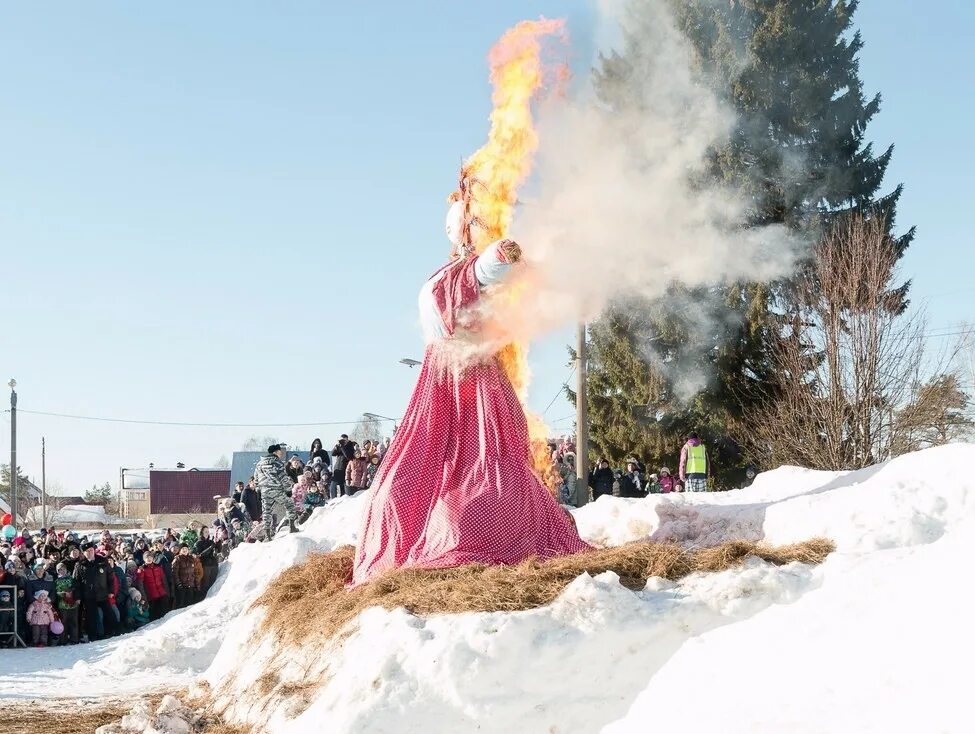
(853, 384)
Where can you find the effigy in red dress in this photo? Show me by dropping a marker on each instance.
(457, 484)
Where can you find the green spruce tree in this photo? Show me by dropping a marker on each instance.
(799, 154)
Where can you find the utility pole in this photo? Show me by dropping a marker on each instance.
(43, 483)
(13, 451)
(582, 410)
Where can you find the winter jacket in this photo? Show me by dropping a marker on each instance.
(371, 473)
(189, 537)
(320, 453)
(299, 491)
(184, 572)
(198, 571)
(40, 612)
(95, 579)
(207, 550)
(138, 613)
(343, 454)
(66, 589)
(269, 474)
(631, 485)
(121, 589)
(601, 481)
(251, 500)
(314, 498)
(668, 483)
(153, 579)
(683, 460)
(355, 473)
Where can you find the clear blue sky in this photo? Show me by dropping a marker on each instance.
(222, 211)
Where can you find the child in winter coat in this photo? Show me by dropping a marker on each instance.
(40, 614)
(668, 482)
(355, 473)
(138, 610)
(314, 497)
(66, 589)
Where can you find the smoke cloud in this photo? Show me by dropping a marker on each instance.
(619, 206)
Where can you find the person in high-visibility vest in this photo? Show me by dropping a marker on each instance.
(695, 467)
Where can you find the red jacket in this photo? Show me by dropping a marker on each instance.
(153, 581)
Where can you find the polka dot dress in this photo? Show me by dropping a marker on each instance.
(457, 485)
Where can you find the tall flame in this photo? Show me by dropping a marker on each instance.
(490, 178)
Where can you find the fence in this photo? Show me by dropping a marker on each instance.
(9, 618)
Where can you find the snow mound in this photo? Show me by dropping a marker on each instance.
(868, 641)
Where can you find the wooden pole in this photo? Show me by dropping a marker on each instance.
(582, 410)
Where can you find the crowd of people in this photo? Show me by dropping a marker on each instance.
(287, 490)
(69, 590)
(633, 480)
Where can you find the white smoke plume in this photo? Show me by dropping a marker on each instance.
(617, 208)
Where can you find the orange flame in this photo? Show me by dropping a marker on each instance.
(491, 176)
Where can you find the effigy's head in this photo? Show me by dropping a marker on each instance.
(455, 226)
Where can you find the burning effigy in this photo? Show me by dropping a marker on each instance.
(464, 478)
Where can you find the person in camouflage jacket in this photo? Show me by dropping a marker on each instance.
(275, 487)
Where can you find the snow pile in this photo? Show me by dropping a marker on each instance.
(868, 641)
(177, 648)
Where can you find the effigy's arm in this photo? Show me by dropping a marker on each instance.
(495, 263)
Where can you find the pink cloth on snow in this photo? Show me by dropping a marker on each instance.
(457, 484)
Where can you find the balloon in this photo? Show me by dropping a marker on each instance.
(9, 532)
(7, 519)
(56, 627)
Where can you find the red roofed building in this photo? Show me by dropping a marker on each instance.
(180, 491)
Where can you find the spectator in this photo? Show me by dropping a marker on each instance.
(39, 581)
(206, 550)
(694, 465)
(294, 468)
(139, 613)
(156, 587)
(631, 483)
(315, 497)
(668, 483)
(356, 474)
(94, 577)
(66, 596)
(191, 534)
(317, 451)
(184, 576)
(250, 497)
(342, 454)
(40, 615)
(238, 492)
(371, 470)
(601, 480)
(305, 482)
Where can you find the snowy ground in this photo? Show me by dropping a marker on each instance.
(875, 639)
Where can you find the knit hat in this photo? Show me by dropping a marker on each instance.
(134, 594)
(61, 567)
(40, 593)
(4, 596)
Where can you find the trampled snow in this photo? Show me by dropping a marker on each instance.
(875, 639)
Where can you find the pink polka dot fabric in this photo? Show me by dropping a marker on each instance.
(457, 485)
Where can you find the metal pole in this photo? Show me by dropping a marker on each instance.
(43, 483)
(582, 410)
(13, 451)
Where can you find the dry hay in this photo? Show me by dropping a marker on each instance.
(316, 589)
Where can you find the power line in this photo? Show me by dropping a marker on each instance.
(562, 387)
(194, 424)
